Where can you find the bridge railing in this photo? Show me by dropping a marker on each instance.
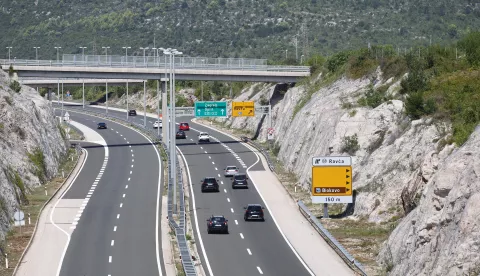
(180, 227)
(159, 62)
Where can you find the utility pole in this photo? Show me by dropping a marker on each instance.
(57, 52)
(83, 53)
(296, 47)
(9, 48)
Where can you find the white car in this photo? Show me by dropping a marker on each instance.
(157, 124)
(203, 137)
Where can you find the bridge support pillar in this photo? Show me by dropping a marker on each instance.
(165, 124)
(49, 94)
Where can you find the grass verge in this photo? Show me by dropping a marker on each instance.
(17, 238)
(361, 238)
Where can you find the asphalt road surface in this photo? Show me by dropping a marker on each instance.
(117, 232)
(251, 248)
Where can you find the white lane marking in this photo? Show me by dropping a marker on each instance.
(191, 139)
(231, 209)
(225, 190)
(112, 243)
(115, 229)
(213, 163)
(124, 138)
(263, 199)
(221, 181)
(216, 168)
(209, 268)
(130, 172)
(218, 175)
(259, 270)
(209, 157)
(121, 204)
(76, 219)
(123, 195)
(249, 252)
(133, 155)
(118, 216)
(129, 179)
(241, 236)
(121, 135)
(228, 199)
(132, 165)
(126, 186)
(109, 259)
(133, 160)
(131, 149)
(206, 152)
(236, 222)
(128, 142)
(116, 131)
(201, 147)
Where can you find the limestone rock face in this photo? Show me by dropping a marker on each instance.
(27, 124)
(441, 236)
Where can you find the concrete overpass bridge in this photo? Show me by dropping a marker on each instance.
(53, 83)
(153, 68)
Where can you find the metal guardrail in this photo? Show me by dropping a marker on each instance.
(179, 228)
(153, 64)
(330, 239)
(271, 166)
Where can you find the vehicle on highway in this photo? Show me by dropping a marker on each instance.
(157, 124)
(101, 125)
(253, 212)
(203, 137)
(132, 112)
(239, 180)
(217, 224)
(210, 184)
(230, 171)
(181, 135)
(184, 126)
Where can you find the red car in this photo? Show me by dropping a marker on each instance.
(184, 126)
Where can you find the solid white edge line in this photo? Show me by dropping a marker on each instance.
(261, 196)
(53, 210)
(158, 192)
(209, 268)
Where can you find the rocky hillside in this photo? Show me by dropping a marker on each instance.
(31, 146)
(441, 236)
(230, 28)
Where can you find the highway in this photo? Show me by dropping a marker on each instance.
(251, 248)
(117, 232)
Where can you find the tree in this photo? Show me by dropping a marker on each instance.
(471, 44)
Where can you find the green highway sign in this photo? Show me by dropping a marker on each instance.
(210, 109)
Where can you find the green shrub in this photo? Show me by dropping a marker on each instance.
(38, 160)
(8, 99)
(361, 64)
(416, 106)
(276, 149)
(15, 86)
(336, 61)
(350, 144)
(372, 98)
(471, 44)
(11, 71)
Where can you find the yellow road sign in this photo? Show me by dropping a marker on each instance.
(243, 109)
(332, 181)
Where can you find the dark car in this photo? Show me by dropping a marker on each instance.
(101, 125)
(239, 180)
(210, 184)
(181, 135)
(253, 211)
(184, 126)
(217, 224)
(132, 112)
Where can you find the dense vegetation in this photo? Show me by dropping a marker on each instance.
(230, 28)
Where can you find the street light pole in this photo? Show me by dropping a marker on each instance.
(36, 52)
(57, 52)
(106, 53)
(146, 48)
(9, 48)
(126, 53)
(165, 111)
(154, 55)
(83, 53)
(144, 104)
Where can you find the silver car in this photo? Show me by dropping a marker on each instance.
(231, 170)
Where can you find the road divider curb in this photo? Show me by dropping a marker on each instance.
(76, 169)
